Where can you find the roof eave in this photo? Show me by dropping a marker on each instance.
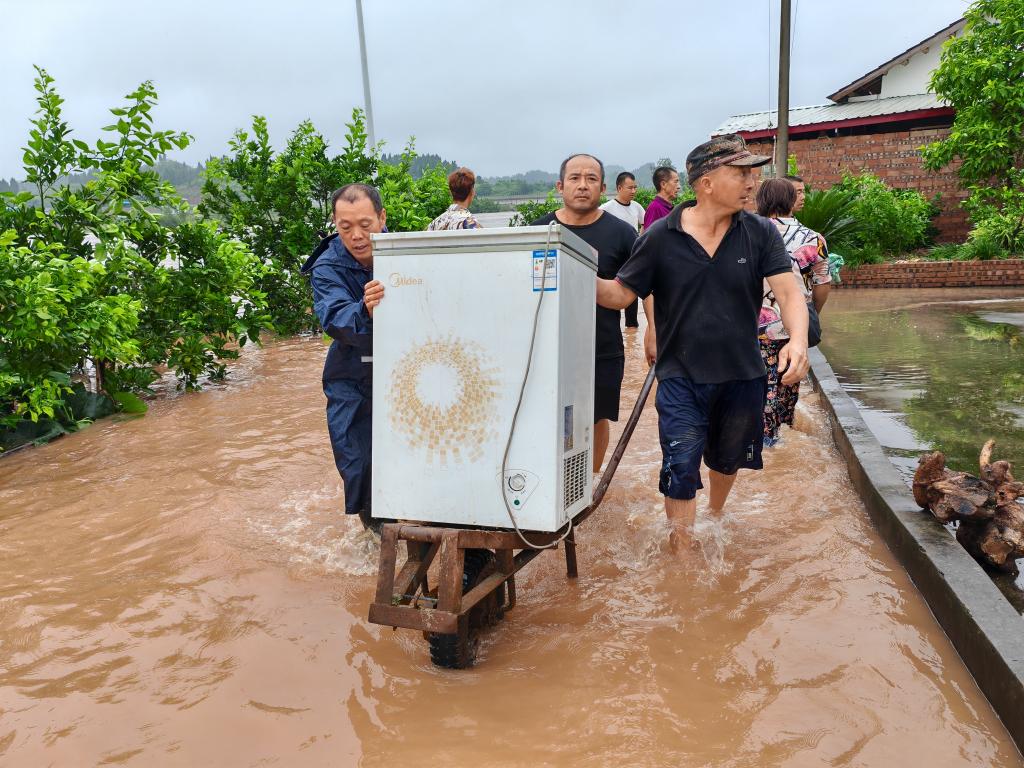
(941, 35)
(856, 122)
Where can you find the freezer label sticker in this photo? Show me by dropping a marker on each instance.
(549, 280)
(567, 429)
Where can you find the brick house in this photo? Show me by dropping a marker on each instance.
(877, 123)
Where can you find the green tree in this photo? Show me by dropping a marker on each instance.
(277, 203)
(184, 286)
(411, 202)
(981, 73)
(54, 312)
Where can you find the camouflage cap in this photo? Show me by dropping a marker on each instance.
(730, 149)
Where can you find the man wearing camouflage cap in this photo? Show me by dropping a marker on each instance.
(705, 265)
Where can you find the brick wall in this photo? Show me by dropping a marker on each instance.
(935, 274)
(894, 157)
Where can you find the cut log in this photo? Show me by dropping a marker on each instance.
(930, 468)
(990, 519)
(997, 542)
(960, 497)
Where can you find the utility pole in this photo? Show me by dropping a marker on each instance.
(366, 75)
(782, 132)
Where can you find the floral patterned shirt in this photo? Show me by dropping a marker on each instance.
(809, 253)
(456, 217)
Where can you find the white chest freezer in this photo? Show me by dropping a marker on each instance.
(450, 346)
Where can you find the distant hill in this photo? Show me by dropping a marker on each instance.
(188, 179)
(421, 163)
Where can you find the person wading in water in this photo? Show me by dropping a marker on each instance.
(705, 264)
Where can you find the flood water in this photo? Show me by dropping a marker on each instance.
(935, 369)
(181, 590)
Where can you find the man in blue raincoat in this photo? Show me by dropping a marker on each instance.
(344, 297)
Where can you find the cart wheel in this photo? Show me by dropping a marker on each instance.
(458, 651)
(454, 651)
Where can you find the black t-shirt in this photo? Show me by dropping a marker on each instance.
(706, 309)
(613, 240)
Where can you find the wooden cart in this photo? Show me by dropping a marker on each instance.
(475, 582)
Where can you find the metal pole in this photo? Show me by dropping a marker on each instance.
(366, 75)
(782, 132)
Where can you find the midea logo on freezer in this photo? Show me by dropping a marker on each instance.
(397, 280)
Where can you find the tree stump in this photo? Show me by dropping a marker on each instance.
(989, 517)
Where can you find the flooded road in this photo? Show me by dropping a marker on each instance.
(182, 590)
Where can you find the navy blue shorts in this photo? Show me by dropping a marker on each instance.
(723, 423)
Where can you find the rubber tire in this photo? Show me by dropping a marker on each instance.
(453, 651)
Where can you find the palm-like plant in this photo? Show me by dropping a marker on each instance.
(830, 213)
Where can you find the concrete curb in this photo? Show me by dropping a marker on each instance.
(985, 629)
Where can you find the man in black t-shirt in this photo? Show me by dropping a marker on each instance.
(705, 265)
(581, 184)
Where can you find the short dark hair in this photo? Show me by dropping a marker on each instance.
(775, 197)
(461, 182)
(561, 170)
(621, 178)
(795, 178)
(352, 192)
(662, 174)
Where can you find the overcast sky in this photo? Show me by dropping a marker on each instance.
(502, 87)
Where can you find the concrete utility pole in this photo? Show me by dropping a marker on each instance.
(782, 132)
(366, 75)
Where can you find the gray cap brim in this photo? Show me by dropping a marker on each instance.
(751, 161)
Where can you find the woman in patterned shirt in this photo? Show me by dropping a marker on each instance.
(462, 183)
(809, 253)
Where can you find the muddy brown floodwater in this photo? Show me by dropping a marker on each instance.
(182, 590)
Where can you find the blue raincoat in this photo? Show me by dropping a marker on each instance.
(338, 281)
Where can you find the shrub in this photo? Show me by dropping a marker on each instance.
(54, 312)
(948, 252)
(998, 213)
(862, 254)
(891, 221)
(530, 212)
(92, 272)
(984, 246)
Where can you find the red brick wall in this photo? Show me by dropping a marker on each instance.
(935, 274)
(894, 157)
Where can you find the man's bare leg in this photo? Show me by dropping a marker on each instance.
(602, 431)
(682, 513)
(720, 487)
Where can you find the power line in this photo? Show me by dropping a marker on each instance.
(796, 10)
(768, 69)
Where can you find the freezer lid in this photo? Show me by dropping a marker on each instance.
(492, 239)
